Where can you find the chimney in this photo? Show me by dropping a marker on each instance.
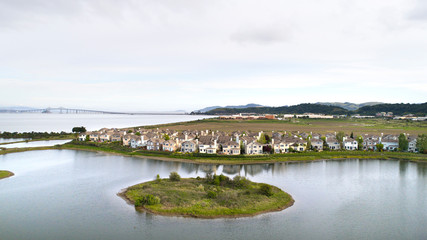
(186, 137)
(215, 142)
(272, 141)
(237, 139)
(197, 141)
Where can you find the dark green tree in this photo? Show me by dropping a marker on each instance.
(359, 140)
(422, 143)
(380, 147)
(79, 129)
(403, 142)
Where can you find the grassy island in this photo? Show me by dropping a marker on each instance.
(5, 174)
(210, 197)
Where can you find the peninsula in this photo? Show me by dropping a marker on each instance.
(5, 174)
(210, 197)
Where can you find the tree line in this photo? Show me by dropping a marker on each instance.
(397, 109)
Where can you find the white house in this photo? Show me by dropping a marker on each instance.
(208, 144)
(350, 144)
(82, 136)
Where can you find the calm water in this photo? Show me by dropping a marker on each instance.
(35, 144)
(66, 194)
(8, 140)
(38, 122)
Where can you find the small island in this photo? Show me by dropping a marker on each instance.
(211, 197)
(5, 174)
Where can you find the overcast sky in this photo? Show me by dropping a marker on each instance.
(169, 55)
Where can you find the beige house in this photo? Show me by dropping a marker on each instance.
(299, 146)
(155, 144)
(94, 136)
(170, 145)
(104, 137)
(189, 146)
(231, 148)
(126, 139)
(254, 147)
(116, 136)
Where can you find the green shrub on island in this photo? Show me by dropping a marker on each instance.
(210, 197)
(174, 176)
(147, 200)
(266, 190)
(211, 194)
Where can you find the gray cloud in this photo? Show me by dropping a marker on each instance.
(261, 35)
(419, 11)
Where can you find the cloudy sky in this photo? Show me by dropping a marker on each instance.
(168, 55)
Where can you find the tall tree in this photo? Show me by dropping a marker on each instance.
(403, 142)
(359, 140)
(380, 147)
(422, 143)
(340, 138)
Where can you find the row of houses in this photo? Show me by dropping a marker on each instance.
(217, 142)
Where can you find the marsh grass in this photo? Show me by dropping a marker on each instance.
(201, 198)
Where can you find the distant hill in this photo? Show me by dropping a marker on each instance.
(419, 109)
(348, 105)
(250, 105)
(297, 109)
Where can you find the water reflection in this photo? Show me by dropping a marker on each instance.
(422, 169)
(8, 140)
(35, 144)
(73, 196)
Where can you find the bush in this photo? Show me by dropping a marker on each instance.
(147, 200)
(266, 190)
(216, 181)
(158, 179)
(211, 194)
(240, 182)
(174, 176)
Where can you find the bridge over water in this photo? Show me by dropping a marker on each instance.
(63, 110)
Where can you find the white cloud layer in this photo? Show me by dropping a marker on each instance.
(149, 55)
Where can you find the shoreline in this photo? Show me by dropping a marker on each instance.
(380, 156)
(122, 194)
(285, 159)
